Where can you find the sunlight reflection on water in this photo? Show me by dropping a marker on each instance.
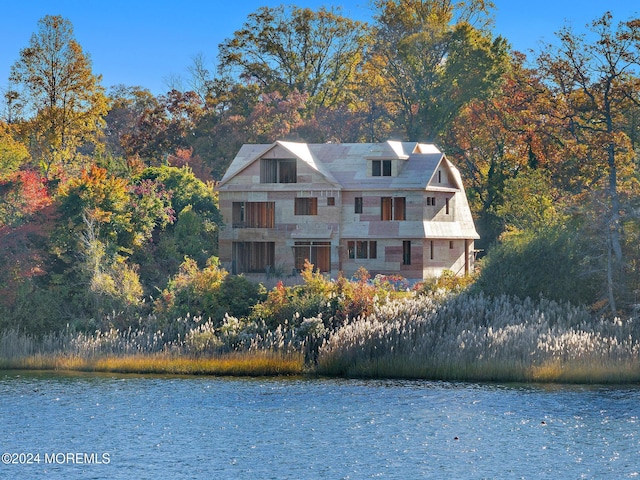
(203, 427)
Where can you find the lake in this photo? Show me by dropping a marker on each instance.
(56, 425)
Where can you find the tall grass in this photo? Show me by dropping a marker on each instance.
(189, 345)
(477, 338)
(437, 336)
(258, 363)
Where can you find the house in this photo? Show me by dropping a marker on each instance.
(393, 208)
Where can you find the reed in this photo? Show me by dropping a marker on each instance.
(476, 338)
(439, 336)
(263, 363)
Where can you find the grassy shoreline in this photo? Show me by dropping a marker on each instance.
(255, 364)
(273, 364)
(448, 337)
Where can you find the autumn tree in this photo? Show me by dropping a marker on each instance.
(288, 49)
(163, 126)
(493, 140)
(66, 103)
(596, 83)
(435, 59)
(127, 106)
(13, 153)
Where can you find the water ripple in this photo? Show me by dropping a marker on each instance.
(183, 427)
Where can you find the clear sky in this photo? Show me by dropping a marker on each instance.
(149, 42)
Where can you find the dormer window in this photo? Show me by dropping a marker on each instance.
(380, 168)
(278, 170)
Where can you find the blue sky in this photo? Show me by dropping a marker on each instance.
(147, 43)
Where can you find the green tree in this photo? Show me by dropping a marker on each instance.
(293, 49)
(65, 99)
(549, 263)
(529, 203)
(596, 83)
(12, 153)
(435, 60)
(194, 231)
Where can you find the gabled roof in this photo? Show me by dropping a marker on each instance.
(345, 165)
(249, 153)
(302, 151)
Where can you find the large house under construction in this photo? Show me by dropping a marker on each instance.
(393, 208)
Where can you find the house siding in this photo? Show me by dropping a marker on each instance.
(419, 186)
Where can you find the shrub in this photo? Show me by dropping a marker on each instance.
(548, 264)
(288, 305)
(448, 282)
(238, 295)
(192, 291)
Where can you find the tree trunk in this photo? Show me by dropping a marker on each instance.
(610, 285)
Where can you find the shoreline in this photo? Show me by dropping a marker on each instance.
(273, 364)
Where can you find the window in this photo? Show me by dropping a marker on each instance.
(317, 253)
(386, 208)
(450, 244)
(358, 205)
(439, 176)
(399, 206)
(237, 215)
(331, 201)
(431, 201)
(376, 168)
(278, 170)
(253, 215)
(306, 206)
(253, 257)
(446, 206)
(431, 250)
(362, 249)
(381, 168)
(406, 252)
(392, 208)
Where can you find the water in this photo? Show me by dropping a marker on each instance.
(202, 427)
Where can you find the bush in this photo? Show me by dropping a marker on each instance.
(237, 295)
(192, 291)
(209, 292)
(547, 264)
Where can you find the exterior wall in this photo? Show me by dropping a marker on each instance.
(289, 228)
(447, 255)
(436, 241)
(389, 261)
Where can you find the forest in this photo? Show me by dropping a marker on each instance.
(108, 208)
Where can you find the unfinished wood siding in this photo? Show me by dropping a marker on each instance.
(388, 261)
(336, 203)
(439, 206)
(453, 254)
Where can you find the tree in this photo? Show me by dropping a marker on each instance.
(529, 203)
(12, 153)
(494, 139)
(65, 99)
(163, 126)
(297, 49)
(435, 60)
(597, 85)
(128, 105)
